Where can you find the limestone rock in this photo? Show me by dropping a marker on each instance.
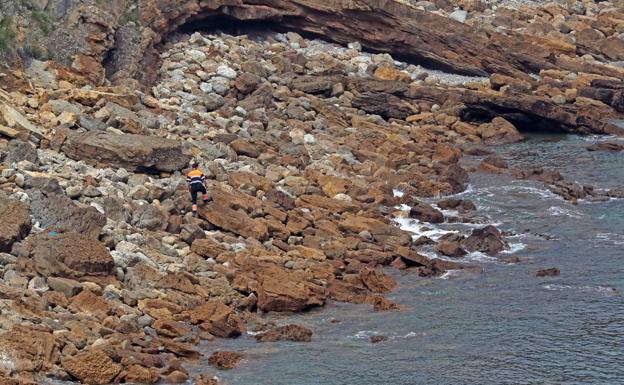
(69, 255)
(132, 152)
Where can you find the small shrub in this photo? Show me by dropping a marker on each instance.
(7, 32)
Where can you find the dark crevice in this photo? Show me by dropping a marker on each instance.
(256, 29)
(524, 122)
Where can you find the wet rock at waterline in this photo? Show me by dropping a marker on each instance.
(551, 272)
(294, 333)
(225, 360)
(302, 142)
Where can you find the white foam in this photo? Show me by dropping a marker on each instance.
(562, 211)
(398, 193)
(451, 274)
(514, 248)
(616, 239)
(419, 229)
(364, 334)
(602, 290)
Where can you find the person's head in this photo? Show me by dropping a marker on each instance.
(194, 164)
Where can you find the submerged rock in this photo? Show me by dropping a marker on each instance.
(224, 360)
(551, 272)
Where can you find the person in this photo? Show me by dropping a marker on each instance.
(196, 180)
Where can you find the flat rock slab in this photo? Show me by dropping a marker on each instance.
(129, 151)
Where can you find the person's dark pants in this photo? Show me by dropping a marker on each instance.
(195, 189)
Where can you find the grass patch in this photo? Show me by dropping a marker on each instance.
(43, 19)
(7, 32)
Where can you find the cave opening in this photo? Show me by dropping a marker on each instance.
(524, 122)
(261, 29)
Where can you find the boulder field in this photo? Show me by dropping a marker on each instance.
(313, 149)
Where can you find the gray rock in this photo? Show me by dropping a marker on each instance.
(132, 152)
(148, 217)
(67, 286)
(19, 151)
(213, 102)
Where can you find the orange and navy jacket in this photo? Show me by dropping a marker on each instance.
(195, 177)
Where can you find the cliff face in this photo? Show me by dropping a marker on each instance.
(121, 35)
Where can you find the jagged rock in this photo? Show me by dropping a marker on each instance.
(148, 217)
(68, 255)
(458, 204)
(378, 339)
(224, 360)
(282, 291)
(234, 220)
(218, 319)
(286, 333)
(552, 272)
(487, 240)
(451, 249)
(140, 374)
(205, 379)
(377, 281)
(68, 287)
(14, 119)
(132, 152)
(89, 303)
(92, 367)
(15, 222)
(426, 213)
(606, 146)
(207, 247)
(18, 151)
(26, 349)
(499, 131)
(58, 211)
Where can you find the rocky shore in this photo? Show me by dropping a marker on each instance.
(313, 152)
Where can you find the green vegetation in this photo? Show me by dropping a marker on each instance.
(7, 32)
(43, 19)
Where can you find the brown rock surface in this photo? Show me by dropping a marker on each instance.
(377, 281)
(218, 319)
(133, 152)
(92, 367)
(487, 240)
(282, 291)
(69, 256)
(27, 349)
(224, 360)
(14, 223)
(286, 333)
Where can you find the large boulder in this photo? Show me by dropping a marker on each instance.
(56, 210)
(93, 367)
(25, 349)
(377, 281)
(426, 213)
(69, 255)
(293, 333)
(487, 240)
(218, 319)
(132, 152)
(14, 222)
(235, 221)
(19, 150)
(282, 291)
